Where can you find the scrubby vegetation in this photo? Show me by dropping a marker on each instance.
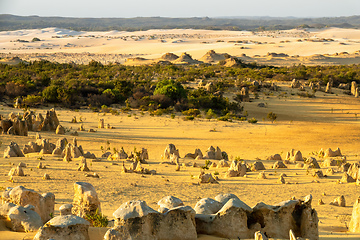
(157, 88)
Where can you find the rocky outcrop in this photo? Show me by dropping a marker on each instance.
(312, 162)
(258, 166)
(50, 121)
(16, 171)
(330, 153)
(19, 218)
(279, 164)
(236, 169)
(60, 130)
(207, 206)
(197, 153)
(67, 227)
(169, 202)
(354, 225)
(169, 150)
(353, 170)
(237, 220)
(86, 201)
(275, 157)
(43, 203)
(136, 220)
(231, 221)
(339, 201)
(13, 150)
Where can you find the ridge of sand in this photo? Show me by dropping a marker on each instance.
(152, 44)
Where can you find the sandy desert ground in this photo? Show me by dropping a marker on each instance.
(329, 120)
(300, 46)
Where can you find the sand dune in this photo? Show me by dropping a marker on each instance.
(152, 44)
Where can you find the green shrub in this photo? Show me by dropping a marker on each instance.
(170, 88)
(31, 100)
(191, 112)
(97, 219)
(189, 118)
(252, 120)
(271, 116)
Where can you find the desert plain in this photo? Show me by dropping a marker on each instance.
(305, 124)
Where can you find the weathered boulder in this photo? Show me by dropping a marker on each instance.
(258, 166)
(344, 167)
(236, 169)
(353, 170)
(61, 143)
(318, 174)
(224, 198)
(67, 227)
(354, 225)
(174, 159)
(86, 201)
(65, 209)
(297, 157)
(83, 165)
(89, 155)
(169, 150)
(276, 157)
(16, 171)
(144, 155)
(346, 178)
(22, 219)
(13, 150)
(169, 202)
(60, 130)
(50, 121)
(312, 162)
(328, 88)
(197, 153)
(295, 83)
(294, 215)
(207, 206)
(5, 125)
(206, 178)
(45, 146)
(279, 164)
(43, 203)
(330, 153)
(136, 220)
(261, 176)
(231, 221)
(210, 153)
(244, 94)
(329, 162)
(20, 127)
(31, 147)
(218, 154)
(101, 123)
(339, 201)
(353, 87)
(223, 163)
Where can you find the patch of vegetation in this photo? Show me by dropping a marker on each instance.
(97, 219)
(271, 116)
(252, 120)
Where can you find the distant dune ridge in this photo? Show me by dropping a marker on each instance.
(13, 22)
(306, 46)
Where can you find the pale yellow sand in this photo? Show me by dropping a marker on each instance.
(305, 124)
(152, 44)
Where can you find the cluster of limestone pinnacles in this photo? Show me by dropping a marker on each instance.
(17, 124)
(224, 216)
